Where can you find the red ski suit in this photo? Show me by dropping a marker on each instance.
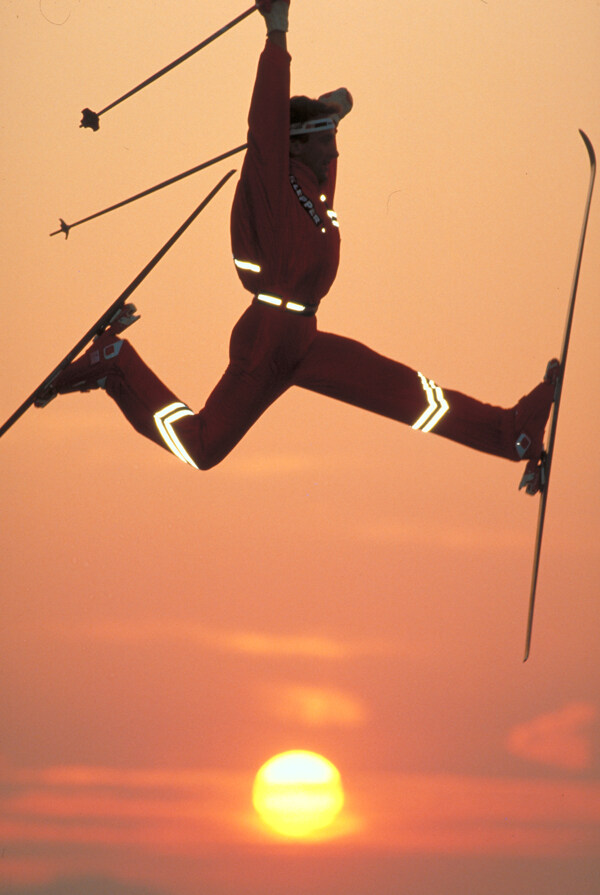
(285, 242)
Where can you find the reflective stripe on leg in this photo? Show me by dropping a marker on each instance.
(437, 406)
(164, 420)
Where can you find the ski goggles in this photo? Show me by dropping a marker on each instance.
(293, 306)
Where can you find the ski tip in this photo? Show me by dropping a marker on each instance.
(588, 146)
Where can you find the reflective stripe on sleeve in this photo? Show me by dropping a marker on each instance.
(437, 406)
(247, 265)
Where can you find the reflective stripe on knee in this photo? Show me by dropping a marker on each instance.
(164, 420)
(437, 406)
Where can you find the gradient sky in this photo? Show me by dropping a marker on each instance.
(340, 583)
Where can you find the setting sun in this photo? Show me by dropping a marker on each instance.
(297, 793)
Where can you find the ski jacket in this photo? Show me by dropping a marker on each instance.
(284, 233)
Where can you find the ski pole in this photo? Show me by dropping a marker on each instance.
(65, 228)
(91, 119)
(102, 323)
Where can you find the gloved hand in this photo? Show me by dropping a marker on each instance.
(340, 100)
(275, 14)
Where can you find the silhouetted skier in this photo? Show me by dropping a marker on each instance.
(285, 240)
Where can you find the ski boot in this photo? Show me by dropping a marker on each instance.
(90, 370)
(530, 416)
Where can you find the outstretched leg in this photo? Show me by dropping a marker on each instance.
(112, 364)
(264, 348)
(349, 371)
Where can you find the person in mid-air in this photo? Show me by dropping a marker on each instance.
(285, 240)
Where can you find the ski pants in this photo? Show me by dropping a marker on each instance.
(272, 349)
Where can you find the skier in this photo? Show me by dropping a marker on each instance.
(285, 241)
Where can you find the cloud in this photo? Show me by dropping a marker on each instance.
(560, 739)
(179, 814)
(166, 810)
(244, 642)
(261, 644)
(314, 706)
(82, 885)
(154, 825)
(94, 776)
(321, 647)
(458, 814)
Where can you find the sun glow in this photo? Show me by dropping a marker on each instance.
(298, 793)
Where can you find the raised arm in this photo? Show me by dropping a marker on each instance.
(269, 115)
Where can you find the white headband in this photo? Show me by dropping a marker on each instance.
(309, 127)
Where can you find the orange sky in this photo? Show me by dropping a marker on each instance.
(339, 583)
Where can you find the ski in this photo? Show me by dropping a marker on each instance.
(44, 388)
(546, 462)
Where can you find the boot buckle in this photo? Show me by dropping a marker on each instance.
(522, 445)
